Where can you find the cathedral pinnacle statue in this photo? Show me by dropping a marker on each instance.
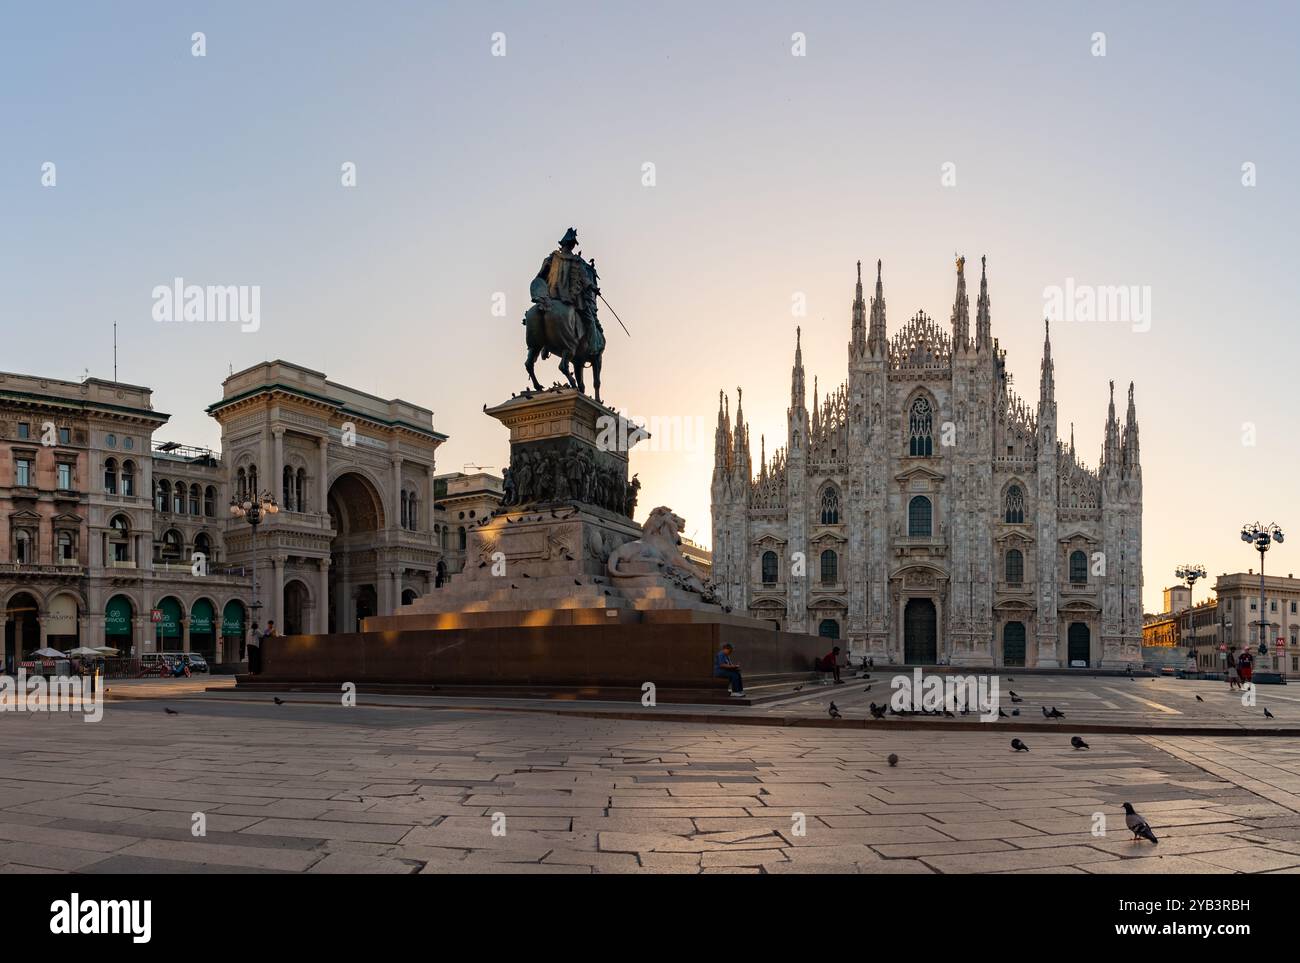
(562, 320)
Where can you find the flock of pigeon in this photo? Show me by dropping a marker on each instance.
(1134, 820)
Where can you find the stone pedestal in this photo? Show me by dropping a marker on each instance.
(568, 506)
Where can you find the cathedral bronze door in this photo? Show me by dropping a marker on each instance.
(1079, 643)
(1013, 643)
(920, 633)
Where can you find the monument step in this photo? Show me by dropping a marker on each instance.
(760, 690)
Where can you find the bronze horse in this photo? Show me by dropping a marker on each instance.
(553, 327)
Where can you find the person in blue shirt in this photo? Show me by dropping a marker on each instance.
(725, 668)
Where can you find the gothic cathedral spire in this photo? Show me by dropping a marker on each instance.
(960, 310)
(858, 337)
(983, 324)
(876, 343)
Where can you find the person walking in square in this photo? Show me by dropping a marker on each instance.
(725, 668)
(1234, 677)
(255, 650)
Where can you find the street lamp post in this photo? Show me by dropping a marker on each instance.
(1262, 536)
(1190, 574)
(251, 508)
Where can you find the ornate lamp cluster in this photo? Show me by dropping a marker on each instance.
(252, 508)
(1262, 537)
(1191, 574)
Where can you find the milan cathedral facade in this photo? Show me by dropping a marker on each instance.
(927, 515)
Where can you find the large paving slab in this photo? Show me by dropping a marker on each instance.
(318, 788)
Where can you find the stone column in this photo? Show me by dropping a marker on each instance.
(277, 466)
(898, 633)
(185, 634)
(939, 627)
(322, 480)
(265, 464)
(145, 633)
(396, 521)
(323, 596)
(275, 588)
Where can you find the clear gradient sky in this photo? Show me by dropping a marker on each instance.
(774, 174)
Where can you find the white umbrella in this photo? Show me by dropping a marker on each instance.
(107, 650)
(84, 652)
(48, 653)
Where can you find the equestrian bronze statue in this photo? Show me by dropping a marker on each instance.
(562, 320)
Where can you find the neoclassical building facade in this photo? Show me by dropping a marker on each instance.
(926, 514)
(354, 478)
(99, 524)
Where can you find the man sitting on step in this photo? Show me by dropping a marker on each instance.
(724, 668)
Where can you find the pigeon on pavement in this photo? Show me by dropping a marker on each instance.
(1078, 743)
(170, 712)
(1199, 699)
(1267, 714)
(1019, 746)
(835, 712)
(1002, 713)
(278, 701)
(893, 759)
(1137, 824)
(1054, 714)
(877, 712)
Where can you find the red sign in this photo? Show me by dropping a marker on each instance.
(156, 615)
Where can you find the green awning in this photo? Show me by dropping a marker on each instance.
(232, 619)
(117, 617)
(170, 626)
(201, 618)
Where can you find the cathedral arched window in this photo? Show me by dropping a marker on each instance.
(1015, 568)
(920, 516)
(830, 506)
(1015, 507)
(164, 495)
(1078, 568)
(403, 509)
(830, 567)
(287, 490)
(769, 566)
(920, 424)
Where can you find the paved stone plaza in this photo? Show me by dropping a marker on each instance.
(314, 787)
